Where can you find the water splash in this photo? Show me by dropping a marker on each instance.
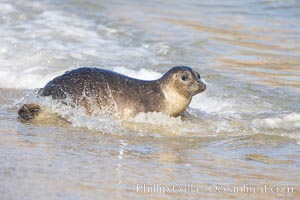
(289, 121)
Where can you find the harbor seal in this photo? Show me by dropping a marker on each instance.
(100, 90)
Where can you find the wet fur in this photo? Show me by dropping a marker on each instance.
(100, 90)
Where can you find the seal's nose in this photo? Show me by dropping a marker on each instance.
(202, 85)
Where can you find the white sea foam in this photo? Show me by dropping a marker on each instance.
(144, 74)
(7, 8)
(211, 104)
(78, 118)
(289, 121)
(156, 118)
(75, 115)
(60, 41)
(287, 125)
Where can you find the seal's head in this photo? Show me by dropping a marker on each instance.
(186, 81)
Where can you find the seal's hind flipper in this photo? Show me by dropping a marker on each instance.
(29, 112)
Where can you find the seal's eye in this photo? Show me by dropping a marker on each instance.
(184, 77)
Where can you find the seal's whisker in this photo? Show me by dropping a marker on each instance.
(187, 93)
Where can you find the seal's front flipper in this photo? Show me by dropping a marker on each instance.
(29, 112)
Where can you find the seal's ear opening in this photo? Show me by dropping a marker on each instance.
(28, 112)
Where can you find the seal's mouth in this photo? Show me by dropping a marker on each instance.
(198, 87)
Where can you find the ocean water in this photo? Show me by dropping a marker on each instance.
(242, 132)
